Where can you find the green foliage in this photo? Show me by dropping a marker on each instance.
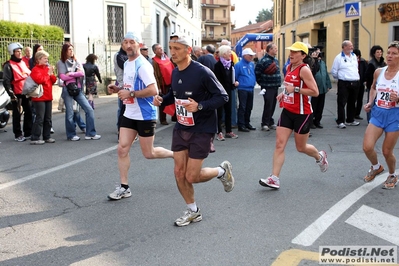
(27, 30)
(264, 15)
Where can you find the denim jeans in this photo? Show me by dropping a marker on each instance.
(70, 127)
(78, 120)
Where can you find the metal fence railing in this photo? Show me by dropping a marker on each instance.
(52, 47)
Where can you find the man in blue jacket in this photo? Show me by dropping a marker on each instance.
(245, 75)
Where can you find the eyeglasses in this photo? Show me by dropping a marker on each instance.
(144, 49)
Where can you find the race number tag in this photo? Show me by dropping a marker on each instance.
(183, 116)
(288, 98)
(129, 100)
(383, 101)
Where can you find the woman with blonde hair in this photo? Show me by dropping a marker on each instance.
(43, 74)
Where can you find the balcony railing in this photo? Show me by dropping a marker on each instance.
(213, 36)
(213, 3)
(217, 20)
(312, 7)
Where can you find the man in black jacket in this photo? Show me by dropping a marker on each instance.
(362, 73)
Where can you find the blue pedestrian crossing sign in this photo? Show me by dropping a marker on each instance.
(352, 9)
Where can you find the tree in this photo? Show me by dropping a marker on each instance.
(264, 15)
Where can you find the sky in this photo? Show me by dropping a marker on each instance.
(247, 10)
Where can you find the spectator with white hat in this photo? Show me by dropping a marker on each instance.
(245, 75)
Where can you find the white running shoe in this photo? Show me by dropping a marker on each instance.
(75, 138)
(119, 193)
(227, 179)
(270, 182)
(189, 217)
(323, 163)
(93, 137)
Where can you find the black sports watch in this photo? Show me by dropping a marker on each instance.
(297, 89)
(200, 107)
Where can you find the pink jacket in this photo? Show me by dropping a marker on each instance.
(71, 77)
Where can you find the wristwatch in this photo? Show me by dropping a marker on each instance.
(132, 94)
(297, 89)
(200, 107)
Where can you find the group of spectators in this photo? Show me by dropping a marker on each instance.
(37, 111)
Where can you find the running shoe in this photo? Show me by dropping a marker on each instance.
(270, 182)
(391, 182)
(227, 178)
(37, 142)
(373, 173)
(119, 193)
(220, 136)
(231, 135)
(93, 137)
(20, 139)
(354, 123)
(341, 126)
(189, 217)
(75, 138)
(323, 163)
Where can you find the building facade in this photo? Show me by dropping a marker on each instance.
(98, 26)
(328, 23)
(216, 21)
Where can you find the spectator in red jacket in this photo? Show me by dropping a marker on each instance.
(43, 74)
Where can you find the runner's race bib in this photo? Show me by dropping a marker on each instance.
(183, 116)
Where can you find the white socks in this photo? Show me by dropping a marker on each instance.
(192, 206)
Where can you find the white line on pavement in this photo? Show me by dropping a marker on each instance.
(378, 223)
(62, 166)
(308, 236)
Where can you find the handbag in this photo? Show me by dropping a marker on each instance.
(73, 89)
(31, 88)
(37, 93)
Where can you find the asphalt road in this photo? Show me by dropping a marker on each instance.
(54, 208)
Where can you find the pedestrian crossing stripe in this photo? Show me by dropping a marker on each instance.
(352, 12)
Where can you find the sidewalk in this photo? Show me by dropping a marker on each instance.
(98, 100)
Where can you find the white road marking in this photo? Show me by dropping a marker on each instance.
(378, 223)
(308, 236)
(57, 168)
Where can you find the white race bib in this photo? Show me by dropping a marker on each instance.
(184, 117)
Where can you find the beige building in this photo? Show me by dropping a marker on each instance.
(329, 22)
(216, 21)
